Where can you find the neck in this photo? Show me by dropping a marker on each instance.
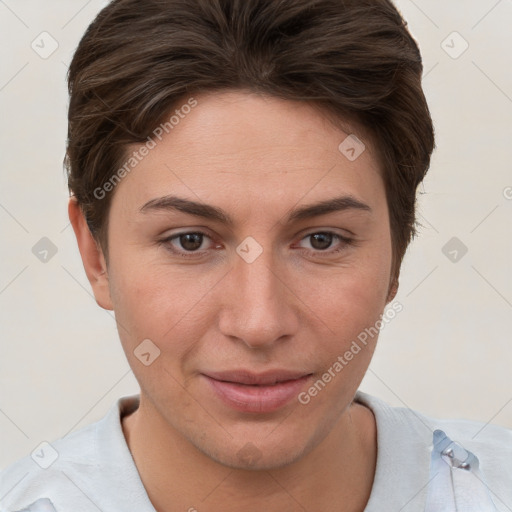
(337, 475)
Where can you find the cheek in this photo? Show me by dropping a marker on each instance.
(160, 303)
(351, 310)
(350, 304)
(350, 297)
(350, 314)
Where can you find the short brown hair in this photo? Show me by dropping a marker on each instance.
(354, 59)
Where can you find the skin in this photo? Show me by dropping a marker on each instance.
(296, 307)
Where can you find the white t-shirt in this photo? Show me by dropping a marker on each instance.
(92, 469)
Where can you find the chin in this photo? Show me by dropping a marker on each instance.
(255, 453)
(251, 458)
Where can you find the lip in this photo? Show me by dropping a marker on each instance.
(261, 393)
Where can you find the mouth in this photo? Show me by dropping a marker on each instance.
(258, 393)
(267, 378)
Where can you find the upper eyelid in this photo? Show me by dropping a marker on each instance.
(201, 231)
(329, 231)
(341, 239)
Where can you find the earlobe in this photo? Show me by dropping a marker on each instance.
(92, 256)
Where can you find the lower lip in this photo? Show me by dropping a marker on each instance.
(258, 399)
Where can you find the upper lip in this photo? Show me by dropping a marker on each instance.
(256, 379)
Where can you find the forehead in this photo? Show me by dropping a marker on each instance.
(246, 146)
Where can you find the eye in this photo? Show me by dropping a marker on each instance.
(322, 241)
(189, 244)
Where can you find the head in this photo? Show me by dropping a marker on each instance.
(243, 179)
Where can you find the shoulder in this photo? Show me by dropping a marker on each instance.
(49, 471)
(475, 434)
(402, 429)
(67, 471)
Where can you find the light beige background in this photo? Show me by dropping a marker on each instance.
(448, 353)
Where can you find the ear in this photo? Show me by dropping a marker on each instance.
(92, 256)
(393, 289)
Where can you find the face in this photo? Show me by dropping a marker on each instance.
(218, 257)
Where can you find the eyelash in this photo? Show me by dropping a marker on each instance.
(166, 242)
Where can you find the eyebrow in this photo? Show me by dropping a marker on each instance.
(170, 203)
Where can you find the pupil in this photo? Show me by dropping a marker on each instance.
(191, 241)
(321, 240)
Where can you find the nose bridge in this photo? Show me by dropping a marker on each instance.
(259, 281)
(259, 310)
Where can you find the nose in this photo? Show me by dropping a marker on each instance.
(258, 306)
